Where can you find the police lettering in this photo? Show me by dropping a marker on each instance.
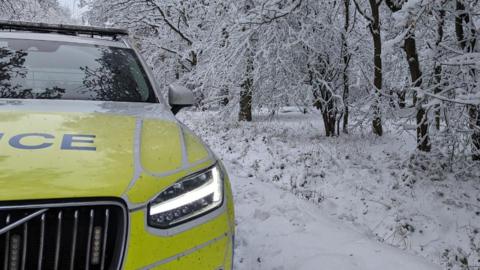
(37, 141)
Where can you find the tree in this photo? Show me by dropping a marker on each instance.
(438, 68)
(322, 77)
(375, 31)
(246, 92)
(48, 11)
(346, 62)
(410, 48)
(241, 56)
(169, 33)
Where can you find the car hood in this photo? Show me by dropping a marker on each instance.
(77, 149)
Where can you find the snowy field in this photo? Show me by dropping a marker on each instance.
(304, 201)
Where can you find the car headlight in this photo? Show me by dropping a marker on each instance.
(189, 198)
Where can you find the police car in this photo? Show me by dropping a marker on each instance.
(95, 171)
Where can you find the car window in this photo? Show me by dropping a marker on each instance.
(35, 69)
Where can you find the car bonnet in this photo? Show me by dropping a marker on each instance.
(68, 149)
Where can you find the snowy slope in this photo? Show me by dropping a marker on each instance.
(278, 231)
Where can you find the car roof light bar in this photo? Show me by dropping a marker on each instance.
(64, 29)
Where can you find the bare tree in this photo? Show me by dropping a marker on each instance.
(246, 93)
(467, 42)
(410, 48)
(375, 31)
(34, 10)
(438, 68)
(346, 55)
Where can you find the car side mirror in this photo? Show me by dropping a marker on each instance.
(180, 97)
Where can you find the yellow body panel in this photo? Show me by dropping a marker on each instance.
(52, 173)
(210, 257)
(166, 247)
(165, 156)
(107, 164)
(195, 148)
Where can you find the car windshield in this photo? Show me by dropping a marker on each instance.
(36, 69)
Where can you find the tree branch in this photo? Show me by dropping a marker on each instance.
(393, 6)
(267, 20)
(168, 23)
(362, 12)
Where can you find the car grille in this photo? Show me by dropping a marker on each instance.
(87, 236)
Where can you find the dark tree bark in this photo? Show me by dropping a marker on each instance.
(324, 101)
(437, 73)
(410, 48)
(475, 125)
(378, 74)
(375, 31)
(346, 61)
(246, 94)
(459, 19)
(224, 92)
(423, 139)
(402, 102)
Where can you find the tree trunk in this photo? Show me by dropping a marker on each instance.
(402, 103)
(437, 73)
(475, 125)
(346, 61)
(423, 139)
(325, 103)
(410, 48)
(246, 94)
(459, 18)
(224, 92)
(378, 75)
(394, 7)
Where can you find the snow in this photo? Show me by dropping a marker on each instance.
(467, 59)
(304, 201)
(409, 10)
(276, 230)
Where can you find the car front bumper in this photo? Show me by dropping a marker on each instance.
(207, 244)
(96, 233)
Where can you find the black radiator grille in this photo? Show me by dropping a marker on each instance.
(86, 236)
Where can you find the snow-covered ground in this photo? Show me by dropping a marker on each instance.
(308, 202)
(277, 231)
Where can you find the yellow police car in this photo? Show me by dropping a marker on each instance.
(95, 171)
